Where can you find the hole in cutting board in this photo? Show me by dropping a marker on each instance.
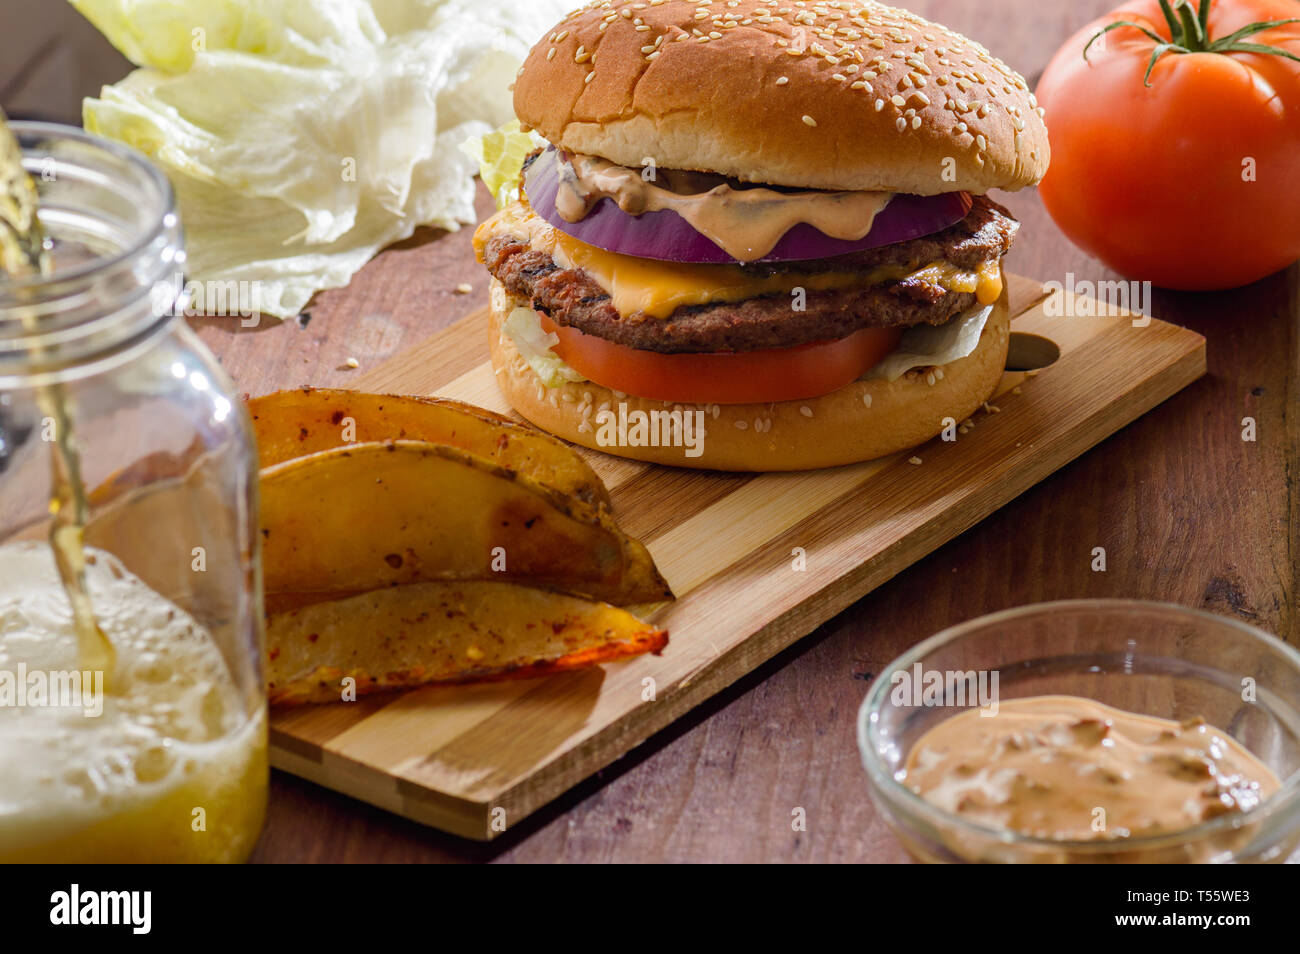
(1028, 352)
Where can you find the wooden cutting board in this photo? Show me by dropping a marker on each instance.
(475, 760)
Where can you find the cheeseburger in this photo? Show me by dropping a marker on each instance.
(768, 217)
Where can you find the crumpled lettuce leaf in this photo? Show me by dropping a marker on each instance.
(534, 345)
(923, 346)
(302, 136)
(500, 155)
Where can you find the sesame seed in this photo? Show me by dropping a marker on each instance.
(809, 121)
(866, 399)
(880, 104)
(587, 79)
(914, 460)
(464, 288)
(806, 411)
(782, 80)
(352, 363)
(898, 101)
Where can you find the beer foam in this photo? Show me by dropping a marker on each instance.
(172, 737)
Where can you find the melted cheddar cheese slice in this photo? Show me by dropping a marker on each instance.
(655, 288)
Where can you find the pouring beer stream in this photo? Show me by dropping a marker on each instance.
(23, 253)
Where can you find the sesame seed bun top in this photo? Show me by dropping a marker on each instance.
(828, 95)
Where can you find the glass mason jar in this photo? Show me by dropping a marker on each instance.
(160, 754)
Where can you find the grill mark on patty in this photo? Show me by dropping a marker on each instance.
(572, 297)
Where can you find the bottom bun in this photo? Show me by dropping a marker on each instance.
(865, 420)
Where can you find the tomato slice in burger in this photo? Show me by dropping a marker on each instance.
(741, 377)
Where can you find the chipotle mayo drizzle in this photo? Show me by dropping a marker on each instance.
(1042, 766)
(746, 223)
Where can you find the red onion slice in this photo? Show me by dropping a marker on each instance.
(667, 236)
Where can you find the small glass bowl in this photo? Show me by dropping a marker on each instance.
(1154, 658)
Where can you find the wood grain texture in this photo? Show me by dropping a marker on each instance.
(1186, 510)
(475, 762)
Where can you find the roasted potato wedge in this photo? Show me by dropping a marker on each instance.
(365, 516)
(296, 423)
(407, 636)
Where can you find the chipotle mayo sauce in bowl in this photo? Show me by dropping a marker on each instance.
(1089, 731)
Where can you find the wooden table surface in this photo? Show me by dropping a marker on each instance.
(1187, 511)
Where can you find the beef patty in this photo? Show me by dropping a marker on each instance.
(571, 297)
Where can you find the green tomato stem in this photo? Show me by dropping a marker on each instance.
(1189, 32)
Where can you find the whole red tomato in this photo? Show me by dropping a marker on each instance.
(1192, 181)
